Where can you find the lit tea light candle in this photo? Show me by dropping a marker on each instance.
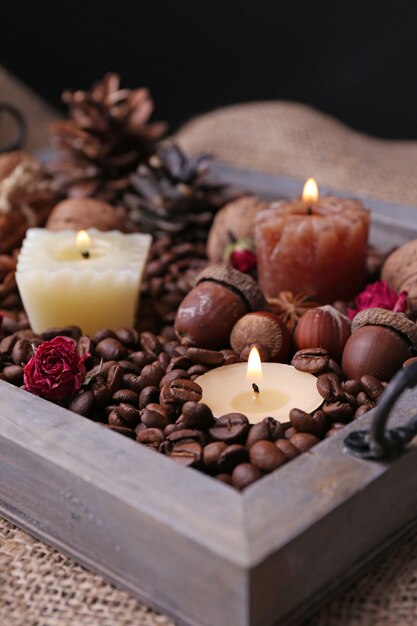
(314, 244)
(90, 279)
(259, 390)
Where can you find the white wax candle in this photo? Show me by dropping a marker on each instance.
(226, 390)
(93, 285)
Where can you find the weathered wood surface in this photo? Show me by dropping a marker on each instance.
(188, 544)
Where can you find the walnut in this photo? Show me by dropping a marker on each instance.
(83, 213)
(233, 222)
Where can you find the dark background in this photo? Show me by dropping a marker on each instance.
(354, 60)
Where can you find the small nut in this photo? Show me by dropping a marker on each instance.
(264, 328)
(323, 327)
(83, 213)
(383, 317)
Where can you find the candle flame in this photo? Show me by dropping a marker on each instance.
(83, 241)
(254, 371)
(310, 191)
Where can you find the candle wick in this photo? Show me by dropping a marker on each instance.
(255, 388)
(85, 254)
(309, 210)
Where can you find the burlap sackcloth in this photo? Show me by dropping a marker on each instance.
(41, 587)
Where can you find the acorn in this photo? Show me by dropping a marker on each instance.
(221, 296)
(265, 329)
(381, 341)
(323, 327)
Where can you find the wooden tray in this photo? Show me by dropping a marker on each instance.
(186, 543)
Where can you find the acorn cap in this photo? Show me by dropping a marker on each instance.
(242, 284)
(383, 317)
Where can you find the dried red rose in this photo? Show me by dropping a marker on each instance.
(56, 371)
(380, 295)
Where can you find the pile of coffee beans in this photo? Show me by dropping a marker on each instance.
(142, 385)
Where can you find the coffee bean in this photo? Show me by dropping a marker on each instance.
(352, 386)
(211, 455)
(151, 437)
(115, 377)
(224, 478)
(197, 370)
(13, 374)
(312, 360)
(230, 428)
(22, 352)
(287, 448)
(141, 358)
(334, 368)
(196, 415)
(170, 348)
(104, 333)
(152, 419)
(169, 429)
(364, 408)
(127, 396)
(229, 357)
(231, 456)
(129, 366)
(178, 363)
(266, 456)
(329, 387)
(187, 434)
(179, 391)
(362, 398)
(373, 387)
(147, 395)
(173, 375)
(244, 475)
(167, 410)
(100, 391)
(289, 432)
(150, 343)
(316, 424)
(82, 404)
(187, 454)
(128, 336)
(334, 429)
(269, 429)
(74, 332)
(204, 357)
(152, 374)
(304, 441)
(163, 359)
(114, 418)
(122, 430)
(338, 411)
(111, 349)
(128, 414)
(7, 343)
(131, 381)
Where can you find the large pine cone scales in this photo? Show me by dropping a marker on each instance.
(105, 138)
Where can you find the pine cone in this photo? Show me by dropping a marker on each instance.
(174, 195)
(104, 139)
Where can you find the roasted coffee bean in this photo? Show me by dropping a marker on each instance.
(128, 336)
(101, 392)
(104, 333)
(128, 414)
(131, 381)
(304, 441)
(289, 432)
(147, 395)
(334, 368)
(335, 429)
(151, 437)
(152, 419)
(196, 415)
(164, 359)
(127, 396)
(85, 346)
(269, 429)
(169, 429)
(364, 408)
(224, 478)
(7, 343)
(362, 398)
(230, 357)
(122, 430)
(211, 455)
(111, 349)
(129, 366)
(352, 386)
(109, 408)
(22, 352)
(102, 369)
(329, 387)
(167, 410)
(173, 375)
(179, 391)
(197, 370)
(266, 456)
(351, 400)
(74, 332)
(187, 434)
(231, 456)
(114, 418)
(152, 374)
(82, 404)
(188, 454)
(204, 357)
(141, 358)
(373, 387)
(178, 363)
(338, 411)
(287, 448)
(13, 374)
(316, 424)
(244, 475)
(170, 347)
(115, 378)
(150, 343)
(230, 428)
(312, 360)
(140, 428)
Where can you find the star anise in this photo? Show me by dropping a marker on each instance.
(290, 307)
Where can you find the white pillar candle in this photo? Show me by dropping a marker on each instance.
(233, 389)
(93, 283)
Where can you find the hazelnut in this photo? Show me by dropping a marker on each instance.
(323, 327)
(83, 213)
(209, 311)
(381, 341)
(265, 329)
(400, 270)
